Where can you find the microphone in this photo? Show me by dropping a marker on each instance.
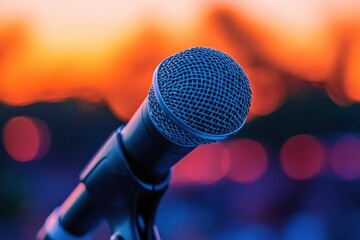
(198, 96)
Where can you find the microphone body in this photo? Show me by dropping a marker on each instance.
(198, 96)
(123, 187)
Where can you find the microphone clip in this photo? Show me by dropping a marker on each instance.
(109, 190)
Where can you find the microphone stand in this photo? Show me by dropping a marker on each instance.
(109, 190)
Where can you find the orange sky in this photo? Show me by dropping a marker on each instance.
(108, 50)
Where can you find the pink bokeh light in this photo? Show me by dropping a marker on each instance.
(345, 157)
(26, 138)
(302, 157)
(248, 160)
(207, 164)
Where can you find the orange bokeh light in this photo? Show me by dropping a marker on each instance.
(352, 74)
(268, 92)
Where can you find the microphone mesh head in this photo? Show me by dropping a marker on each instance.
(199, 96)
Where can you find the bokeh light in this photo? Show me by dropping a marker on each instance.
(268, 92)
(302, 157)
(207, 164)
(104, 53)
(26, 138)
(345, 157)
(307, 226)
(352, 73)
(248, 160)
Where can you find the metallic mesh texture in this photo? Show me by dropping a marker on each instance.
(203, 88)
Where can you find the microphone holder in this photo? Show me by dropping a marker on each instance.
(109, 190)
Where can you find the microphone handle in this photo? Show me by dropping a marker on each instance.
(109, 190)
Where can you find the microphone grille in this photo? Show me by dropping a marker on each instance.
(199, 96)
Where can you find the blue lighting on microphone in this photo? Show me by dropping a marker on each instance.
(199, 96)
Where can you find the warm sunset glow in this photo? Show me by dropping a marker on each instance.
(107, 51)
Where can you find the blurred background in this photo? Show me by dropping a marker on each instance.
(73, 71)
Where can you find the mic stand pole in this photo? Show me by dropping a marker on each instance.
(109, 190)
